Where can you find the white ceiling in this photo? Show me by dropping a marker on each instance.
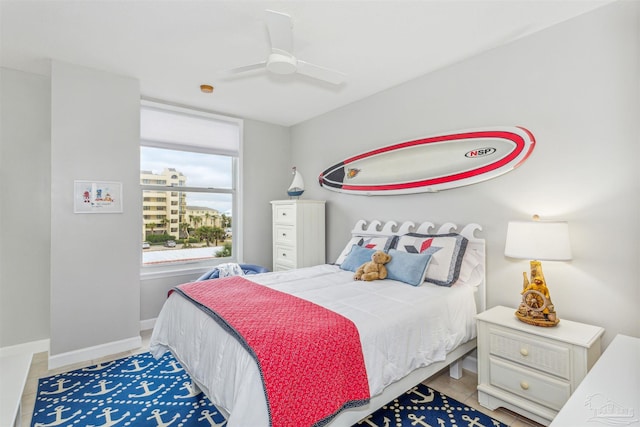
(174, 46)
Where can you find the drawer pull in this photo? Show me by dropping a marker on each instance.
(524, 352)
(284, 234)
(524, 385)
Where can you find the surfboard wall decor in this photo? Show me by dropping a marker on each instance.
(432, 164)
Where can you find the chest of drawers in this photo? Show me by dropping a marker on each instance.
(532, 370)
(298, 233)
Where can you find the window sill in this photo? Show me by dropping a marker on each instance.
(176, 270)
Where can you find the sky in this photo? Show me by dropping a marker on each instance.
(200, 170)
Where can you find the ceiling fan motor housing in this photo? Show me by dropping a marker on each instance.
(282, 64)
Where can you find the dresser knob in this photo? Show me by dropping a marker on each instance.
(524, 385)
(524, 352)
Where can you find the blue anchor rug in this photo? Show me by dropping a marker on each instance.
(141, 391)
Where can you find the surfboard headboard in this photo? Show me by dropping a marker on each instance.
(392, 228)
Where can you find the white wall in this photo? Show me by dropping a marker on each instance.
(266, 176)
(25, 207)
(95, 258)
(576, 87)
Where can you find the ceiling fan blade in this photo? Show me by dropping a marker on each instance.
(320, 73)
(280, 30)
(245, 68)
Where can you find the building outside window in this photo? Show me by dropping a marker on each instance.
(189, 177)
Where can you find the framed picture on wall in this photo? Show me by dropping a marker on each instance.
(97, 197)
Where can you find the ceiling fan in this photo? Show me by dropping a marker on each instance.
(281, 60)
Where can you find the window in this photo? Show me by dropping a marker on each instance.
(189, 174)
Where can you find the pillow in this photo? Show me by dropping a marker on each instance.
(356, 258)
(447, 251)
(382, 243)
(471, 269)
(407, 267)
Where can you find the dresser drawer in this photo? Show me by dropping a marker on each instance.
(284, 214)
(284, 234)
(285, 256)
(281, 267)
(536, 353)
(529, 384)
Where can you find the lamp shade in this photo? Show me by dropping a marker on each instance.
(538, 240)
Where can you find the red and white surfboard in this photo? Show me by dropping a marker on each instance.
(432, 164)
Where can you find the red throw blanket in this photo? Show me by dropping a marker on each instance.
(310, 358)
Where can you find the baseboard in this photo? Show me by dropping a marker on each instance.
(96, 352)
(31, 347)
(145, 325)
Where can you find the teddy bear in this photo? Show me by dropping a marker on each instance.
(375, 268)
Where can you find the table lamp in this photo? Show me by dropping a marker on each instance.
(537, 241)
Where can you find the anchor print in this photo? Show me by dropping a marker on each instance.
(158, 416)
(61, 388)
(137, 367)
(98, 367)
(472, 422)
(103, 388)
(206, 415)
(418, 420)
(368, 421)
(424, 398)
(175, 367)
(192, 391)
(59, 420)
(108, 422)
(144, 385)
(441, 422)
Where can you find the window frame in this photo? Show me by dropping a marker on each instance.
(178, 268)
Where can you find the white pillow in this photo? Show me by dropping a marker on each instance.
(471, 270)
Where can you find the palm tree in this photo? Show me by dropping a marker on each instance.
(218, 234)
(226, 221)
(205, 232)
(152, 226)
(185, 228)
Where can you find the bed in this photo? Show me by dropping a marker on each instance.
(409, 326)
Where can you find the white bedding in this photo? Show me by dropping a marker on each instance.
(401, 328)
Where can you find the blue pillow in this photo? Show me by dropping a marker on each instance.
(356, 258)
(408, 267)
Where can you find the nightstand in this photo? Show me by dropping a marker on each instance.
(528, 369)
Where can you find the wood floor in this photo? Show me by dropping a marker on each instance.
(463, 390)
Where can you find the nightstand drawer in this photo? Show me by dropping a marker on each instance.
(285, 234)
(285, 256)
(535, 352)
(529, 384)
(284, 214)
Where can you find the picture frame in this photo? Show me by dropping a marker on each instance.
(97, 197)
